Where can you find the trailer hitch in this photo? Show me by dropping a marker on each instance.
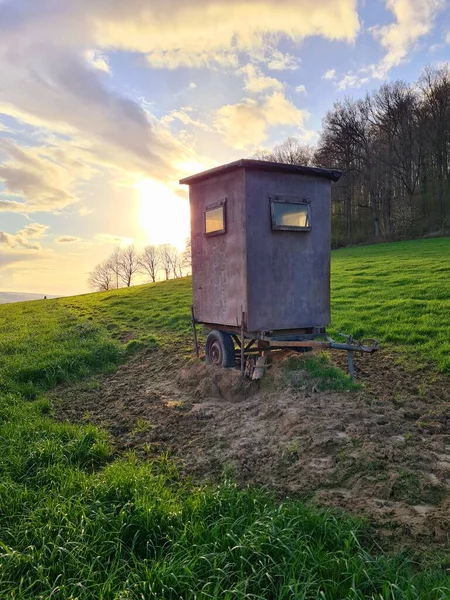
(351, 346)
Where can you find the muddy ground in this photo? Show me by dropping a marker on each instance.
(382, 451)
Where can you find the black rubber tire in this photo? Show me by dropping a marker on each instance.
(219, 349)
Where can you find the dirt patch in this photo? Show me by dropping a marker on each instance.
(382, 451)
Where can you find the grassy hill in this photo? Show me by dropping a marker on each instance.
(75, 523)
(398, 293)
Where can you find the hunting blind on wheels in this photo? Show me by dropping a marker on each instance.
(261, 241)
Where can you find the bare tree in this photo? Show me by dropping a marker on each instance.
(150, 261)
(186, 257)
(129, 264)
(114, 263)
(291, 151)
(168, 256)
(101, 277)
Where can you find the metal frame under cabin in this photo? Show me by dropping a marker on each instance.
(264, 342)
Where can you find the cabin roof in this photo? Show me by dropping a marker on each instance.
(263, 165)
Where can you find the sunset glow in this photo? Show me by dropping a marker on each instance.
(163, 216)
(106, 105)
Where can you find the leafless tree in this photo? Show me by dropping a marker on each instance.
(129, 264)
(150, 261)
(291, 151)
(115, 264)
(186, 257)
(101, 277)
(168, 256)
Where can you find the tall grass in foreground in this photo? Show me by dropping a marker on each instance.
(73, 525)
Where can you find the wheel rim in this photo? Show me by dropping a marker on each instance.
(215, 353)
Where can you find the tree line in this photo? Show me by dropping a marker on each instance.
(394, 149)
(123, 265)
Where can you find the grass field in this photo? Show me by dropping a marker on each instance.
(74, 523)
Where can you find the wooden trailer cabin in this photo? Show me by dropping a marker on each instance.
(261, 236)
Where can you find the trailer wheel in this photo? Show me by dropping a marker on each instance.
(219, 349)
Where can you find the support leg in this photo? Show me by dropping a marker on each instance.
(351, 366)
(243, 344)
(194, 331)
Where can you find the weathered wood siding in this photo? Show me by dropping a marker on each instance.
(219, 263)
(288, 272)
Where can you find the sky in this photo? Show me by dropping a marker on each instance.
(106, 104)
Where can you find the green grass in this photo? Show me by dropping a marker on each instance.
(399, 293)
(77, 524)
(315, 370)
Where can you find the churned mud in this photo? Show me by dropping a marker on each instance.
(382, 451)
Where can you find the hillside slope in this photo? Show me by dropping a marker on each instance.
(82, 516)
(398, 293)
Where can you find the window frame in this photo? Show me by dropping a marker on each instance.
(279, 199)
(221, 204)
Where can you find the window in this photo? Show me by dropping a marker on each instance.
(215, 218)
(290, 213)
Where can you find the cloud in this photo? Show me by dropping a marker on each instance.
(174, 33)
(256, 81)
(176, 58)
(447, 38)
(246, 123)
(23, 237)
(282, 62)
(330, 74)
(97, 61)
(300, 89)
(71, 98)
(351, 81)
(67, 239)
(54, 56)
(184, 117)
(43, 175)
(414, 19)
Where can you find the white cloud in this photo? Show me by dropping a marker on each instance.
(173, 32)
(246, 123)
(53, 60)
(42, 177)
(278, 61)
(351, 81)
(256, 82)
(447, 38)
(300, 89)
(176, 58)
(24, 238)
(67, 239)
(192, 85)
(413, 20)
(97, 61)
(330, 74)
(184, 117)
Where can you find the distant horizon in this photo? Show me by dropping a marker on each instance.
(23, 296)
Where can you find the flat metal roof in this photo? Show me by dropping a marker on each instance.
(263, 165)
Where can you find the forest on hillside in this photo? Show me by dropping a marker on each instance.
(393, 146)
